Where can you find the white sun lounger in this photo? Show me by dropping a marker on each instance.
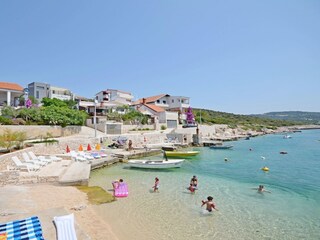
(77, 157)
(65, 227)
(24, 166)
(49, 159)
(39, 158)
(27, 159)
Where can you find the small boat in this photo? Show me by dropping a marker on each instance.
(169, 148)
(180, 153)
(156, 164)
(221, 146)
(286, 136)
(283, 152)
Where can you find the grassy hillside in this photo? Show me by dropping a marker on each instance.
(234, 120)
(305, 117)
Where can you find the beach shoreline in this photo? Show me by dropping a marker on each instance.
(43, 197)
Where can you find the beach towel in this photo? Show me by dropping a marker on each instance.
(25, 229)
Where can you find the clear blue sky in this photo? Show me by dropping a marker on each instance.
(248, 56)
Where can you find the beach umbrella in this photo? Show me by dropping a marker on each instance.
(68, 149)
(89, 147)
(98, 147)
(80, 147)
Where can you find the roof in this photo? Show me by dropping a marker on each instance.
(150, 99)
(154, 107)
(11, 86)
(115, 90)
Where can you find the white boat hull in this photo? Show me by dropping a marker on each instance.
(158, 164)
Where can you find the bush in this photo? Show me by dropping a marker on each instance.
(163, 127)
(5, 121)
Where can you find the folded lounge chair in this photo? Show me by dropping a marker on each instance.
(28, 228)
(65, 227)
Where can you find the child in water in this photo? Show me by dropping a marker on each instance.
(192, 188)
(209, 204)
(156, 185)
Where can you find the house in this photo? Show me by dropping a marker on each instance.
(43, 90)
(159, 114)
(168, 102)
(112, 99)
(116, 97)
(39, 90)
(169, 110)
(10, 94)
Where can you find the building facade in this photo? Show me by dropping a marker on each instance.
(39, 90)
(10, 94)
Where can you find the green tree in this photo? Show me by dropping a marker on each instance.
(53, 102)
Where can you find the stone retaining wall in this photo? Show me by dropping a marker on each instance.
(38, 132)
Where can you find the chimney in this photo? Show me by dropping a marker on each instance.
(143, 101)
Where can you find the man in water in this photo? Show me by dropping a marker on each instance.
(261, 189)
(209, 204)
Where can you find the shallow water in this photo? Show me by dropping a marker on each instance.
(291, 211)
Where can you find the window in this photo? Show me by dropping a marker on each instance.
(172, 100)
(37, 95)
(164, 101)
(158, 101)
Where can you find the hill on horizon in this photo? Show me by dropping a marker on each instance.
(246, 121)
(299, 116)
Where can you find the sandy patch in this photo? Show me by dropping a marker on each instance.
(27, 200)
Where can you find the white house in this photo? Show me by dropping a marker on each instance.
(169, 103)
(114, 96)
(10, 93)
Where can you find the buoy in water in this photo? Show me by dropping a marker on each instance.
(266, 169)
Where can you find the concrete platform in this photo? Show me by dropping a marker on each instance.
(77, 173)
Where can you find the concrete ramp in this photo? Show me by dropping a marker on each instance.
(77, 173)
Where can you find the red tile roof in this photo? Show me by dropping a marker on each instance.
(154, 107)
(11, 86)
(150, 99)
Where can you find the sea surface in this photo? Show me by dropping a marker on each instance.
(290, 211)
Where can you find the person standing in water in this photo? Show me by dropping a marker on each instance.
(194, 181)
(193, 184)
(209, 204)
(156, 185)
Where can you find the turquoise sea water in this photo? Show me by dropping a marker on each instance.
(291, 211)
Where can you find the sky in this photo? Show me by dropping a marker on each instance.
(243, 57)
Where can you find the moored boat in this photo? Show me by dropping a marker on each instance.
(181, 153)
(157, 164)
(221, 147)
